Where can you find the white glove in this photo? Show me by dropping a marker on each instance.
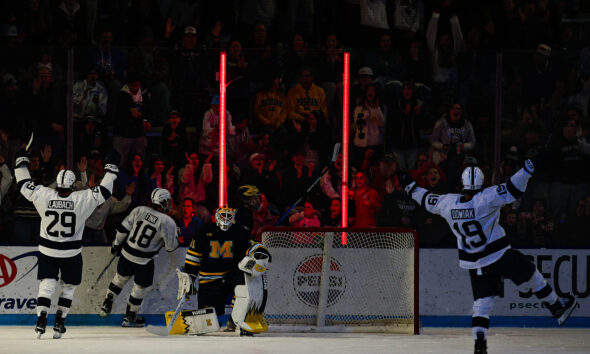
(185, 285)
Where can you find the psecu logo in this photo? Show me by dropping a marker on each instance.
(307, 277)
(9, 270)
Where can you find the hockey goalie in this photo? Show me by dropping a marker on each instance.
(224, 261)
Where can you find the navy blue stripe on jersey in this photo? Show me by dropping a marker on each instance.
(106, 194)
(513, 190)
(480, 322)
(68, 245)
(122, 229)
(19, 185)
(492, 247)
(423, 202)
(137, 253)
(544, 292)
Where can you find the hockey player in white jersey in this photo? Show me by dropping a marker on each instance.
(63, 214)
(484, 248)
(139, 238)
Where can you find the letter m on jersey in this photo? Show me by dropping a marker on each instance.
(219, 251)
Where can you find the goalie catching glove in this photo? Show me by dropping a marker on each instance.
(186, 285)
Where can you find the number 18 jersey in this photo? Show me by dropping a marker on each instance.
(480, 238)
(143, 232)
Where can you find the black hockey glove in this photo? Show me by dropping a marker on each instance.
(22, 158)
(535, 163)
(116, 249)
(112, 161)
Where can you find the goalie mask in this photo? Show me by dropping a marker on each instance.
(225, 217)
(162, 198)
(65, 179)
(472, 178)
(250, 195)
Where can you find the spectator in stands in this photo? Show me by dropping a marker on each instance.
(509, 221)
(94, 229)
(368, 125)
(174, 139)
(192, 182)
(238, 78)
(540, 227)
(160, 179)
(190, 74)
(261, 172)
(305, 98)
(12, 100)
(209, 140)
(575, 230)
(296, 179)
(416, 65)
(189, 224)
(89, 137)
(47, 111)
(330, 67)
(385, 61)
(333, 216)
(240, 145)
(132, 119)
(70, 16)
(270, 106)
(6, 180)
(218, 36)
(110, 61)
(261, 56)
(331, 182)
(134, 172)
(308, 217)
(569, 164)
(407, 122)
(358, 90)
(90, 96)
(36, 23)
(444, 49)
(295, 59)
(367, 202)
(262, 218)
(47, 60)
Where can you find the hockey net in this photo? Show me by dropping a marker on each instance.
(342, 279)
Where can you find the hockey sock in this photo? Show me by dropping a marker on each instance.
(116, 285)
(136, 297)
(46, 290)
(480, 322)
(541, 289)
(65, 300)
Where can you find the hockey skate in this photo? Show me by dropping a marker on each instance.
(41, 324)
(563, 308)
(59, 327)
(131, 319)
(230, 326)
(244, 333)
(107, 306)
(481, 346)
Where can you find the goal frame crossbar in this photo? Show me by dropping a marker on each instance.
(329, 232)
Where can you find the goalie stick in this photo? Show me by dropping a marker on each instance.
(166, 331)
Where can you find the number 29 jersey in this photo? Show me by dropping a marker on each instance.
(63, 218)
(143, 232)
(480, 238)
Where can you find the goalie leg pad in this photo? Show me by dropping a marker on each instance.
(201, 321)
(249, 304)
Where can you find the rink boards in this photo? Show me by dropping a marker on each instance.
(445, 292)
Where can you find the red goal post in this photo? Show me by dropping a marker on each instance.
(318, 283)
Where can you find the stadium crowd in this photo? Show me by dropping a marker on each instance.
(422, 100)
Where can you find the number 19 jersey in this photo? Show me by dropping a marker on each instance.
(143, 232)
(480, 238)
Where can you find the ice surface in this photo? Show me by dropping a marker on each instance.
(87, 340)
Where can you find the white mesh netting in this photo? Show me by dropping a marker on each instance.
(370, 280)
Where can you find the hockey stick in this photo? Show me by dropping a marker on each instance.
(324, 171)
(101, 274)
(166, 331)
(30, 143)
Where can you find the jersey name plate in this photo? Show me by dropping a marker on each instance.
(60, 204)
(460, 214)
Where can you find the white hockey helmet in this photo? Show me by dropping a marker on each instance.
(162, 198)
(472, 178)
(225, 217)
(65, 179)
